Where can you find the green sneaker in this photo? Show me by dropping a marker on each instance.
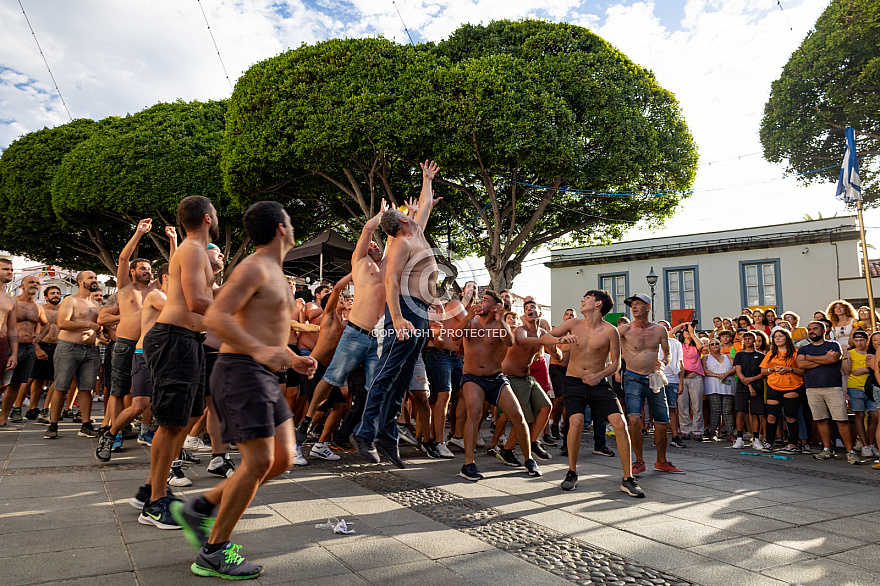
(225, 563)
(196, 527)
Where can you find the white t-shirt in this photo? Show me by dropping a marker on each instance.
(714, 386)
(674, 367)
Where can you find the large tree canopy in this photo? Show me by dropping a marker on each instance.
(832, 81)
(502, 108)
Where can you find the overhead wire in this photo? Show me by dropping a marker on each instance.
(49, 69)
(213, 40)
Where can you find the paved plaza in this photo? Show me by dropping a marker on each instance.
(731, 520)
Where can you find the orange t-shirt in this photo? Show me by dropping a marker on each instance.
(787, 381)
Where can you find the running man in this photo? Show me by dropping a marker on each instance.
(595, 355)
(251, 407)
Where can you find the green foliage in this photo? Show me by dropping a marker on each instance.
(832, 81)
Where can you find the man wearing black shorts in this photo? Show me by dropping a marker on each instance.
(252, 410)
(749, 398)
(47, 340)
(592, 340)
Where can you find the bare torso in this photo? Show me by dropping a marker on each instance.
(453, 312)
(83, 310)
(154, 302)
(7, 304)
(314, 315)
(369, 292)
(176, 311)
(332, 326)
(590, 354)
(419, 276)
(51, 312)
(640, 346)
(28, 316)
(482, 347)
(131, 300)
(518, 358)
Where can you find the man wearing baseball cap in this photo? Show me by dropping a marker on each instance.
(640, 344)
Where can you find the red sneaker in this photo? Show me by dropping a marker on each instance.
(638, 468)
(666, 467)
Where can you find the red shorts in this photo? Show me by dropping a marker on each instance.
(538, 371)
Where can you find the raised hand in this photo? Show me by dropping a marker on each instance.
(412, 207)
(429, 170)
(144, 226)
(171, 232)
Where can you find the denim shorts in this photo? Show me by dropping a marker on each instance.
(672, 395)
(76, 360)
(354, 347)
(636, 390)
(444, 370)
(859, 401)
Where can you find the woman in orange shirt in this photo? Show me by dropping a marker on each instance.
(785, 383)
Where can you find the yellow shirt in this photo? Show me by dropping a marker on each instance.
(857, 360)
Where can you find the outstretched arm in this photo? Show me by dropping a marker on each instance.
(426, 198)
(363, 243)
(122, 274)
(171, 232)
(561, 334)
(333, 301)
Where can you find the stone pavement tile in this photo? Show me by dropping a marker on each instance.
(751, 554)
(712, 572)
(88, 501)
(134, 532)
(136, 477)
(330, 488)
(54, 490)
(283, 536)
(424, 573)
(682, 533)
(680, 490)
(315, 510)
(43, 462)
(326, 537)
(178, 575)
(792, 513)
(640, 549)
(867, 558)
(174, 550)
(495, 567)
(851, 527)
(822, 572)
(843, 506)
(744, 473)
(382, 512)
(49, 540)
(742, 522)
(7, 480)
(811, 540)
(121, 579)
(374, 553)
(72, 563)
(347, 579)
(823, 489)
(443, 544)
(310, 563)
(563, 521)
(13, 521)
(740, 502)
(626, 515)
(475, 490)
(782, 495)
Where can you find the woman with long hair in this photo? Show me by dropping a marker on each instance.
(864, 321)
(843, 317)
(692, 395)
(785, 383)
(760, 322)
(770, 318)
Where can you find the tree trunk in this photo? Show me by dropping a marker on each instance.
(502, 272)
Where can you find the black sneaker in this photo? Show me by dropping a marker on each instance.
(225, 563)
(67, 414)
(15, 415)
(391, 452)
(224, 468)
(196, 527)
(43, 417)
(470, 472)
(632, 488)
(508, 457)
(549, 441)
(105, 445)
(538, 450)
(365, 448)
(302, 431)
(77, 417)
(32, 414)
(571, 480)
(187, 456)
(87, 430)
(603, 451)
(140, 499)
(430, 448)
(51, 431)
(554, 431)
(678, 442)
(157, 513)
(532, 467)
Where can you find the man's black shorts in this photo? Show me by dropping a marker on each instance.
(45, 369)
(120, 366)
(248, 401)
(211, 355)
(557, 378)
(176, 359)
(745, 403)
(27, 356)
(308, 385)
(601, 399)
(491, 384)
(141, 385)
(293, 377)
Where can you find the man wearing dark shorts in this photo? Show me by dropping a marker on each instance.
(592, 341)
(250, 405)
(8, 325)
(749, 398)
(31, 319)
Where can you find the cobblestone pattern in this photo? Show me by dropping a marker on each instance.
(559, 554)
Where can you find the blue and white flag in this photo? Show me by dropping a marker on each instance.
(849, 186)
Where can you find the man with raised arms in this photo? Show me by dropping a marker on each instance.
(174, 353)
(31, 320)
(410, 288)
(76, 354)
(595, 355)
(358, 343)
(44, 369)
(532, 399)
(8, 324)
(641, 343)
(482, 380)
(251, 316)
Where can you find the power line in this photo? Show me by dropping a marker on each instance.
(403, 23)
(57, 89)
(210, 32)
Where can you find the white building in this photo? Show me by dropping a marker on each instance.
(798, 267)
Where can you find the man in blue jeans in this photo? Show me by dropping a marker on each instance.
(410, 288)
(640, 345)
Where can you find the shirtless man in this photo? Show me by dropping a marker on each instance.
(332, 326)
(641, 342)
(31, 319)
(557, 370)
(532, 399)
(174, 353)
(76, 354)
(311, 314)
(250, 405)
(410, 288)
(358, 343)
(482, 381)
(46, 341)
(444, 366)
(8, 324)
(141, 388)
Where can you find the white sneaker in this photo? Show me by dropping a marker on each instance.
(405, 435)
(502, 440)
(757, 444)
(444, 451)
(195, 444)
(481, 443)
(738, 444)
(299, 460)
(322, 450)
(838, 444)
(176, 477)
(875, 451)
(867, 452)
(458, 442)
(858, 445)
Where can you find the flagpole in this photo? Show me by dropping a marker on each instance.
(867, 267)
